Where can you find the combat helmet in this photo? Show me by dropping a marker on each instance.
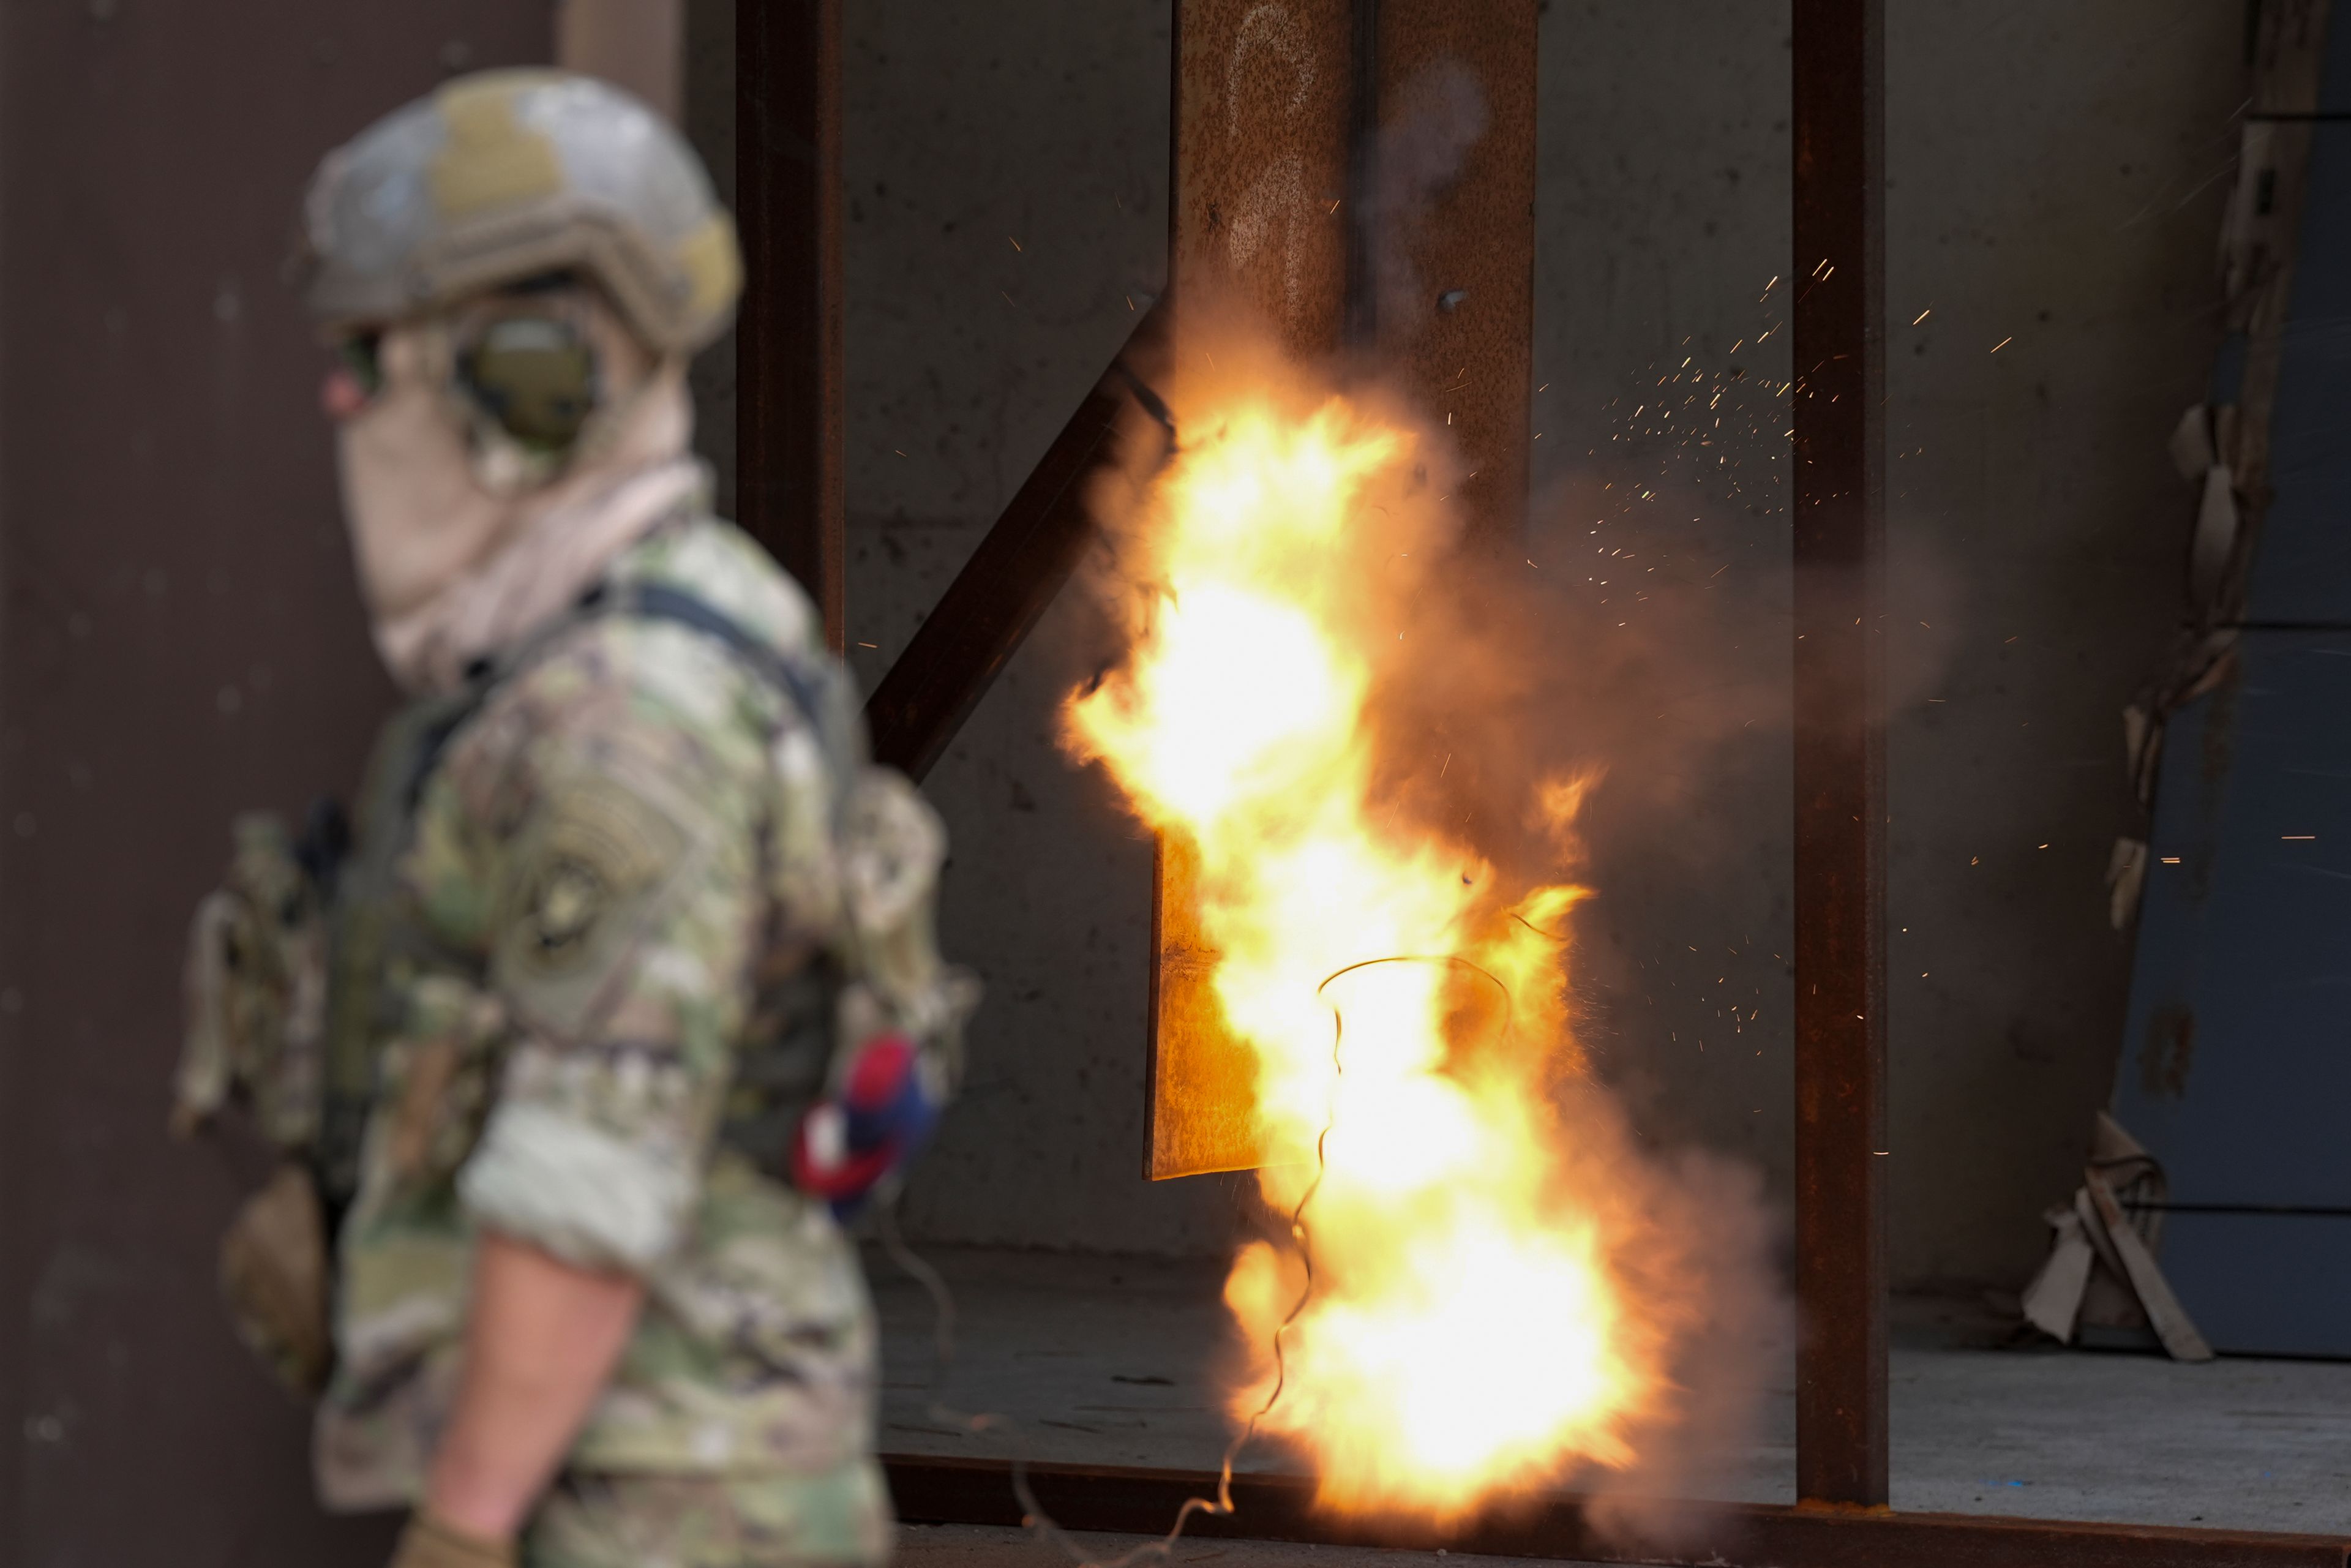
(507, 175)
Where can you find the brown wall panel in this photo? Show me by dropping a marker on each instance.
(179, 638)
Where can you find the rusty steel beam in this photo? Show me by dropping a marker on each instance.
(995, 600)
(1449, 295)
(1838, 462)
(1264, 163)
(1361, 175)
(1560, 1526)
(791, 491)
(1258, 162)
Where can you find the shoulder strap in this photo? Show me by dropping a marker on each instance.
(642, 600)
(659, 601)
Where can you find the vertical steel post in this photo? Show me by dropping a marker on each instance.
(787, 344)
(1267, 102)
(1840, 751)
(1449, 288)
(1279, 200)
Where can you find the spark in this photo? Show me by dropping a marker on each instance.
(2004, 343)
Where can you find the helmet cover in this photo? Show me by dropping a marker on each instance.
(507, 175)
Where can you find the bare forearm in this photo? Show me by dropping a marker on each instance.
(541, 1339)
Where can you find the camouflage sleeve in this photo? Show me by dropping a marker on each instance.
(625, 911)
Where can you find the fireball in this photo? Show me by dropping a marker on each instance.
(1464, 1332)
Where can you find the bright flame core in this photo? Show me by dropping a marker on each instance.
(1465, 1333)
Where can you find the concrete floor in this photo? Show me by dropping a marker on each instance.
(1114, 1361)
(980, 1546)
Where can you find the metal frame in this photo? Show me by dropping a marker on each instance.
(790, 494)
(1837, 478)
(789, 116)
(1560, 1525)
(989, 609)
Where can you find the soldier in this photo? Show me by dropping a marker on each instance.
(624, 988)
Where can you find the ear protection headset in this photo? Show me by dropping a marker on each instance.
(535, 373)
(531, 371)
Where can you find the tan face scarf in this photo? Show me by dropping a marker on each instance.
(460, 551)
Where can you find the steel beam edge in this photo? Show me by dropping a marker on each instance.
(1837, 482)
(1004, 589)
(790, 475)
(1559, 1526)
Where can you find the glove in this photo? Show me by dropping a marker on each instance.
(429, 1544)
(883, 1114)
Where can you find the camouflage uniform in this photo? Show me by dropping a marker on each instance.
(601, 964)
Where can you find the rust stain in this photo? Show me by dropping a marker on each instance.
(1263, 128)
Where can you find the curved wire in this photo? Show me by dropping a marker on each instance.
(1034, 1517)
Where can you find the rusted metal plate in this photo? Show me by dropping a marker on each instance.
(1265, 97)
(1363, 175)
(1840, 751)
(1203, 1082)
(1264, 106)
(789, 475)
(1559, 1525)
(1451, 284)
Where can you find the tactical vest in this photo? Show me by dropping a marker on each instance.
(291, 997)
(786, 1055)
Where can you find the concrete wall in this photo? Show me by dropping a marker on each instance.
(2056, 180)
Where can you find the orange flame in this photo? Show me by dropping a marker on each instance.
(1465, 1333)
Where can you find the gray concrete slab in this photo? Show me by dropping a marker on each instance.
(1100, 1360)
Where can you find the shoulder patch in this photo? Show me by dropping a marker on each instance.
(582, 880)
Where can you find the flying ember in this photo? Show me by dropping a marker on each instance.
(1471, 1325)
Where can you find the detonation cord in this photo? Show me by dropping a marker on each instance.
(1033, 1515)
